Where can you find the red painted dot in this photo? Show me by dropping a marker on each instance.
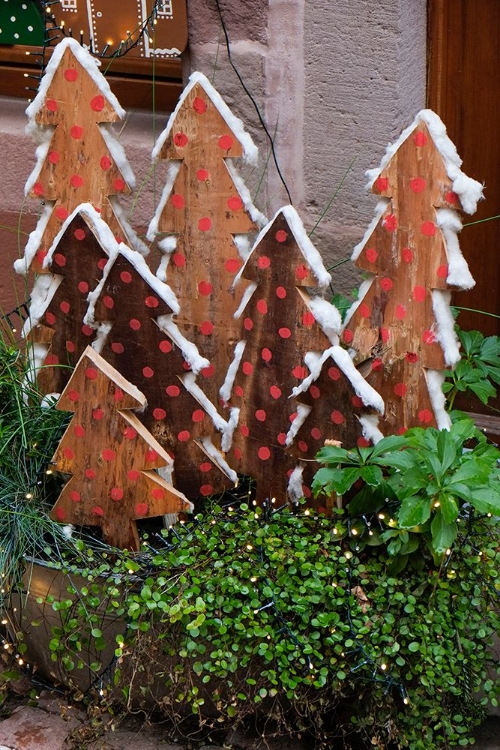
(126, 277)
(260, 415)
(38, 189)
(71, 74)
(264, 262)
(172, 390)
(308, 318)
(237, 453)
(73, 396)
(133, 475)
(266, 354)
(316, 433)
(299, 372)
(205, 288)
(181, 140)
(315, 391)
(275, 391)
(301, 272)
(420, 139)
(232, 265)
(207, 328)
(76, 181)
(159, 414)
(119, 184)
(400, 312)
(238, 391)
(116, 494)
(177, 201)
(428, 337)
(234, 203)
(75, 496)
(76, 132)
(141, 509)
(451, 197)
(108, 454)
(225, 142)
(51, 105)
(303, 447)
(91, 373)
(50, 318)
(97, 103)
(248, 324)
(158, 493)
(198, 415)
(381, 184)
(102, 263)
(135, 324)
(411, 357)
(179, 260)
(281, 235)
(79, 431)
(386, 284)
(151, 455)
(428, 229)
(247, 368)
(417, 184)
(425, 416)
(165, 346)
(419, 293)
(377, 365)
(98, 414)
(60, 259)
(206, 490)
(442, 272)
(68, 453)
(70, 347)
(117, 348)
(53, 157)
(148, 372)
(390, 222)
(362, 442)
(262, 306)
(281, 292)
(204, 224)
(371, 254)
(385, 335)
(264, 453)
(118, 395)
(285, 333)
(400, 390)
(357, 402)
(61, 213)
(281, 438)
(183, 436)
(105, 162)
(79, 234)
(337, 417)
(151, 301)
(205, 467)
(244, 430)
(364, 310)
(108, 302)
(90, 474)
(202, 175)
(199, 105)
(60, 514)
(334, 373)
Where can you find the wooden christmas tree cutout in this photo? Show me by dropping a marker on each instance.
(402, 324)
(55, 329)
(111, 457)
(204, 206)
(82, 162)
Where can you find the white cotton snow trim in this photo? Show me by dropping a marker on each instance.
(295, 491)
(37, 355)
(369, 425)
(95, 223)
(362, 292)
(445, 329)
(102, 332)
(227, 386)
(379, 210)
(189, 350)
(245, 196)
(161, 289)
(250, 151)
(468, 190)
(22, 265)
(44, 289)
(458, 270)
(172, 172)
(243, 245)
(435, 380)
(246, 295)
(131, 237)
(327, 316)
(209, 448)
(303, 411)
(40, 154)
(91, 65)
(118, 153)
(232, 423)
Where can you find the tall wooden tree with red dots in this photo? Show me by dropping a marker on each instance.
(146, 347)
(80, 162)
(403, 322)
(279, 329)
(110, 456)
(56, 329)
(203, 208)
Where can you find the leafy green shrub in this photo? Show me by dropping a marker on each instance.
(478, 370)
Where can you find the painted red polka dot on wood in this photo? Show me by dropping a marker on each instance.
(314, 391)
(98, 414)
(281, 236)
(420, 139)
(205, 467)
(260, 415)
(303, 447)
(70, 347)
(101, 263)
(400, 389)
(90, 474)
(181, 140)
(275, 392)
(71, 74)
(232, 265)
(198, 415)
(133, 475)
(205, 288)
(400, 312)
(333, 373)
(316, 433)
(117, 347)
(385, 335)
(238, 391)
(105, 163)
(151, 301)
(148, 372)
(362, 442)
(54, 157)
(135, 324)
(299, 372)
(371, 254)
(262, 306)
(76, 132)
(451, 197)
(377, 365)
(337, 417)
(119, 184)
(207, 328)
(442, 272)
(73, 396)
(419, 293)
(428, 229)
(225, 142)
(130, 433)
(206, 490)
(68, 453)
(202, 175)
(411, 357)
(172, 390)
(364, 310)
(264, 453)
(281, 292)
(76, 181)
(151, 455)
(108, 454)
(62, 213)
(234, 203)
(284, 332)
(50, 318)
(116, 494)
(266, 354)
(281, 438)
(108, 302)
(247, 368)
(60, 514)
(91, 373)
(357, 402)
(183, 436)
(159, 414)
(417, 184)
(199, 105)
(165, 346)
(425, 416)
(381, 184)
(244, 430)
(141, 509)
(79, 431)
(97, 103)
(248, 324)
(308, 318)
(264, 262)
(301, 272)
(52, 105)
(38, 189)
(386, 284)
(390, 223)
(177, 201)
(75, 496)
(428, 337)
(179, 260)
(118, 395)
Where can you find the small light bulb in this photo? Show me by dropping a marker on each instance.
(383, 667)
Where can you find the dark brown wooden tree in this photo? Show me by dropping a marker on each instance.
(279, 329)
(110, 456)
(83, 162)
(145, 345)
(203, 209)
(403, 325)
